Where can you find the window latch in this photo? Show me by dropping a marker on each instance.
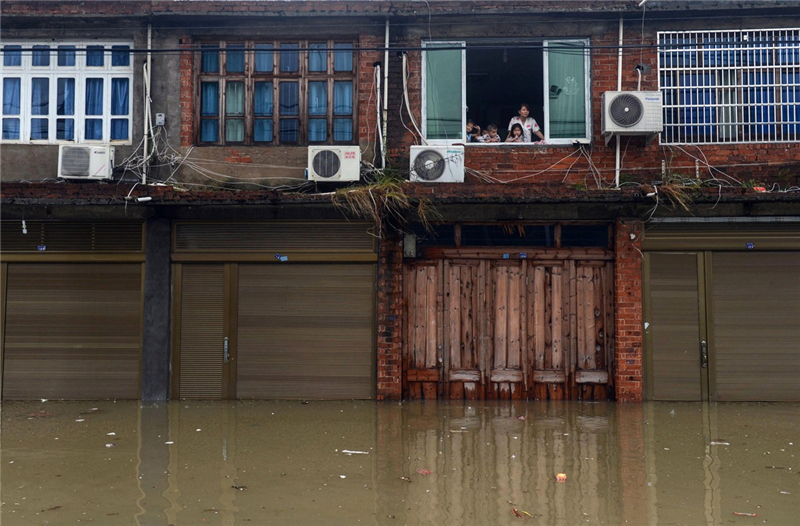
(225, 354)
(703, 354)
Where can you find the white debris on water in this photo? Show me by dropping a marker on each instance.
(352, 452)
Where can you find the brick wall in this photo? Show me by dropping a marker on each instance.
(367, 98)
(187, 92)
(628, 311)
(390, 317)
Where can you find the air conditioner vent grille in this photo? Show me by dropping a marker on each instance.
(626, 110)
(75, 161)
(326, 163)
(429, 165)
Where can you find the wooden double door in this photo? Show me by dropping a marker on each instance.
(722, 325)
(508, 329)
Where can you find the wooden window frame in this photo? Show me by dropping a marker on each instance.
(303, 76)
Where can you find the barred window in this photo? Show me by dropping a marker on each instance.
(736, 86)
(269, 92)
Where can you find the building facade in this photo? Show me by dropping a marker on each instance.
(296, 208)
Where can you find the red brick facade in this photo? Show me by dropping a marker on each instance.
(628, 311)
(390, 318)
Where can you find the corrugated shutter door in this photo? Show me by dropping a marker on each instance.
(73, 331)
(305, 331)
(756, 310)
(202, 331)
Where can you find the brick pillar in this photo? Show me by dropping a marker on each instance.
(390, 318)
(187, 92)
(628, 311)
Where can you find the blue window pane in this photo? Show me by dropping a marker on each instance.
(317, 98)
(234, 56)
(65, 129)
(342, 130)
(264, 58)
(262, 130)
(289, 98)
(120, 56)
(317, 57)
(209, 62)
(290, 58)
(40, 96)
(290, 130)
(66, 56)
(119, 129)
(119, 97)
(11, 129)
(209, 99)
(209, 130)
(94, 56)
(343, 57)
(41, 56)
(317, 130)
(790, 109)
(11, 96)
(39, 129)
(343, 98)
(94, 129)
(94, 97)
(263, 105)
(65, 98)
(12, 56)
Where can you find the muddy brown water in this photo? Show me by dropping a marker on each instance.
(331, 463)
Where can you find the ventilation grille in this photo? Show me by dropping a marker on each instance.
(429, 165)
(54, 236)
(75, 161)
(626, 110)
(326, 163)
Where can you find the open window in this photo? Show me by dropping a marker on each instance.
(486, 81)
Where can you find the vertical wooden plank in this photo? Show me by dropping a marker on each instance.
(572, 287)
(589, 320)
(456, 391)
(469, 320)
(484, 324)
(522, 300)
(598, 356)
(556, 390)
(609, 332)
(448, 345)
(438, 361)
(431, 317)
(500, 316)
(581, 317)
(429, 390)
(513, 359)
(539, 317)
(548, 317)
(418, 358)
(453, 298)
(409, 288)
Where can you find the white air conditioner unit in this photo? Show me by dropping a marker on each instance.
(437, 164)
(94, 162)
(334, 163)
(632, 113)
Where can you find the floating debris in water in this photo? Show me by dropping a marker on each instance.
(111, 445)
(349, 452)
(720, 442)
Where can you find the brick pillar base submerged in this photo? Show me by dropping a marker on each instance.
(628, 311)
(390, 318)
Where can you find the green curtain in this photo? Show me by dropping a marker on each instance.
(443, 79)
(567, 89)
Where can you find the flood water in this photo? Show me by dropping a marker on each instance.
(331, 463)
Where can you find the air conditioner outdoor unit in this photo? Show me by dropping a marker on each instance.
(437, 164)
(632, 113)
(94, 162)
(334, 163)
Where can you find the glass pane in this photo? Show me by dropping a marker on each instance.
(209, 99)
(567, 90)
(290, 130)
(343, 60)
(65, 129)
(343, 130)
(94, 56)
(343, 98)
(66, 56)
(120, 95)
(290, 58)
(289, 98)
(317, 130)
(41, 56)
(38, 129)
(11, 129)
(94, 97)
(209, 62)
(584, 236)
(234, 98)
(234, 130)
(11, 96)
(317, 57)
(94, 129)
(234, 56)
(508, 236)
(262, 131)
(120, 56)
(65, 97)
(12, 56)
(263, 104)
(40, 96)
(317, 98)
(209, 130)
(263, 58)
(443, 92)
(119, 129)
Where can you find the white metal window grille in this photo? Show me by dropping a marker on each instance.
(66, 92)
(738, 86)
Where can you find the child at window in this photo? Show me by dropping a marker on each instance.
(473, 131)
(491, 134)
(528, 123)
(516, 134)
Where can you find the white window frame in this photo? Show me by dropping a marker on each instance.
(424, 111)
(587, 87)
(79, 72)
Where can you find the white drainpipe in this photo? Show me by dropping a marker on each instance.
(619, 88)
(385, 94)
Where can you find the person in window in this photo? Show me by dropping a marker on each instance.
(516, 134)
(528, 123)
(491, 134)
(473, 131)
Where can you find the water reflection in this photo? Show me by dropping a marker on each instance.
(387, 463)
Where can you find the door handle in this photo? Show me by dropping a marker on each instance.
(225, 354)
(703, 354)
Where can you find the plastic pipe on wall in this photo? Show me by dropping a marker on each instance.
(384, 126)
(619, 88)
